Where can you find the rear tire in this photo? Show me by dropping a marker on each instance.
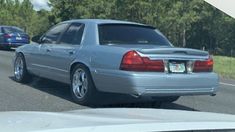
(171, 99)
(20, 70)
(161, 100)
(82, 86)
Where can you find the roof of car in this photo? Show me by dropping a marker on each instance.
(102, 21)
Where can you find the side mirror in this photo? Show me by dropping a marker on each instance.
(36, 39)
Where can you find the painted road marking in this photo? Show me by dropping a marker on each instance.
(228, 84)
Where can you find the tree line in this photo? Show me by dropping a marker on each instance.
(186, 23)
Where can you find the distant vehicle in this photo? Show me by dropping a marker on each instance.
(11, 36)
(117, 57)
(116, 120)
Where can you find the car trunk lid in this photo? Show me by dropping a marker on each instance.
(173, 53)
(181, 51)
(164, 52)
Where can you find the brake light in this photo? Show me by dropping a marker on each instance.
(7, 36)
(203, 66)
(132, 61)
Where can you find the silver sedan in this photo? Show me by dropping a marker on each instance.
(116, 57)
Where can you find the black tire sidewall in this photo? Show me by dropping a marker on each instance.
(171, 99)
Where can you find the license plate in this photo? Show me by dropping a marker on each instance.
(18, 38)
(177, 67)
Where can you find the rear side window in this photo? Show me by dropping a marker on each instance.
(54, 33)
(12, 30)
(73, 35)
(130, 34)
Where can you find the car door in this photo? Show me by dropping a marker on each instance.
(39, 58)
(64, 51)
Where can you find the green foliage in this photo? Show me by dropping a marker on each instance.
(77, 9)
(187, 23)
(21, 14)
(224, 66)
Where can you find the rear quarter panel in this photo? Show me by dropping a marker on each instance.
(100, 57)
(107, 57)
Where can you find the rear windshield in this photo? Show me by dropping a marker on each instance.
(12, 30)
(130, 34)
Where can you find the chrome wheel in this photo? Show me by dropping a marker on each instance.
(19, 68)
(82, 89)
(79, 83)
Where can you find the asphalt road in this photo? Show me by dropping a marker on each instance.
(46, 95)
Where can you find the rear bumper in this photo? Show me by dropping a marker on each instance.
(156, 84)
(13, 45)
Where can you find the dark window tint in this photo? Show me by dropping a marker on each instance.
(130, 34)
(12, 30)
(53, 34)
(73, 35)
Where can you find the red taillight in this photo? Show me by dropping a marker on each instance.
(7, 36)
(203, 66)
(132, 61)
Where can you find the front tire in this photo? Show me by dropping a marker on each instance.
(20, 71)
(82, 86)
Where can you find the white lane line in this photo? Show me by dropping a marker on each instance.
(228, 84)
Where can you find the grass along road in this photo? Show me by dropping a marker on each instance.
(224, 66)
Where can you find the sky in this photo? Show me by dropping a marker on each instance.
(40, 4)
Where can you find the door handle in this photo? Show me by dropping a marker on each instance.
(71, 52)
(48, 50)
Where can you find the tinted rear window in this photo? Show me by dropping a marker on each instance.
(130, 34)
(12, 30)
